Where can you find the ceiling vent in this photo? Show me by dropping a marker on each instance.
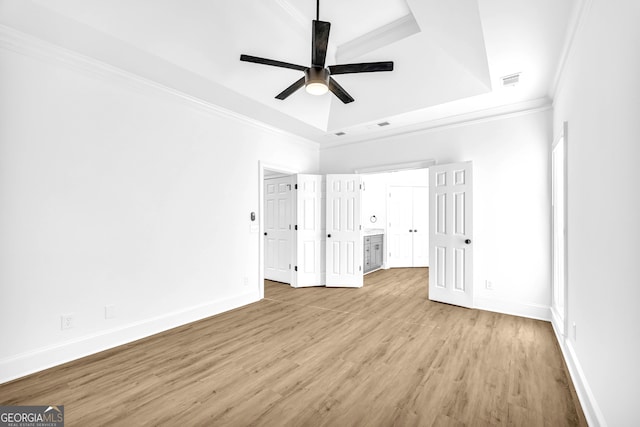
(511, 79)
(340, 133)
(381, 124)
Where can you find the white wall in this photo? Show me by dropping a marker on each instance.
(511, 199)
(114, 192)
(599, 96)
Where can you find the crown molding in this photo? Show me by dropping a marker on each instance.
(36, 48)
(482, 116)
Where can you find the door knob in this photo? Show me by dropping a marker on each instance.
(410, 231)
(265, 233)
(415, 231)
(468, 241)
(329, 236)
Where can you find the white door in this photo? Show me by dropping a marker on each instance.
(420, 227)
(400, 239)
(309, 262)
(344, 232)
(451, 234)
(408, 227)
(278, 233)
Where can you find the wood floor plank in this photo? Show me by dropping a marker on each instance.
(381, 355)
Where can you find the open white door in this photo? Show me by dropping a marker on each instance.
(344, 232)
(277, 229)
(310, 231)
(451, 234)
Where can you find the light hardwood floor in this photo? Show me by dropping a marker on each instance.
(378, 356)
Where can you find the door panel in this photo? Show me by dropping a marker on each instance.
(278, 239)
(310, 240)
(451, 234)
(344, 234)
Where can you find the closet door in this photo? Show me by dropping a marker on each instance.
(400, 227)
(420, 227)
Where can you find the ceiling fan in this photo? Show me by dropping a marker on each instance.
(317, 78)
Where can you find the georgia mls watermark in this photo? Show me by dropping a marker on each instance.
(32, 416)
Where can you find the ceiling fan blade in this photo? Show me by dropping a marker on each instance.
(319, 43)
(367, 67)
(288, 91)
(339, 91)
(273, 62)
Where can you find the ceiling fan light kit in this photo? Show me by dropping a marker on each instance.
(317, 78)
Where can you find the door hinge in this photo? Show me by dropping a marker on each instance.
(360, 268)
(360, 226)
(289, 266)
(296, 186)
(296, 227)
(361, 186)
(296, 268)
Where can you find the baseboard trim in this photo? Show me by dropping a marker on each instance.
(47, 357)
(514, 308)
(590, 407)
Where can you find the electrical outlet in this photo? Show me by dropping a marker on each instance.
(109, 311)
(488, 284)
(66, 321)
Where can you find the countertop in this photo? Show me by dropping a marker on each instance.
(373, 231)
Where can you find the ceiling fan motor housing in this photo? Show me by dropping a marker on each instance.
(316, 75)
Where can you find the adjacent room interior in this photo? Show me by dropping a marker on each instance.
(320, 212)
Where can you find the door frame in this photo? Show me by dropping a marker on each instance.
(562, 323)
(262, 166)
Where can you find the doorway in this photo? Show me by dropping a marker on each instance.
(396, 206)
(278, 232)
(266, 171)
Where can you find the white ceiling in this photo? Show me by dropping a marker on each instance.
(449, 55)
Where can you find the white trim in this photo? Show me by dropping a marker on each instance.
(514, 308)
(261, 167)
(451, 122)
(424, 164)
(42, 358)
(389, 33)
(576, 22)
(33, 47)
(590, 408)
(565, 159)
